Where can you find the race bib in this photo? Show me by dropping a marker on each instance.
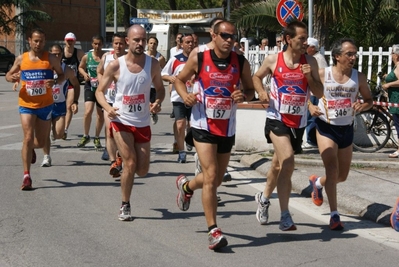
(111, 92)
(133, 104)
(36, 88)
(93, 82)
(218, 108)
(339, 108)
(293, 104)
(56, 92)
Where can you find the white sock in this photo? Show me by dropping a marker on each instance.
(334, 213)
(264, 199)
(318, 184)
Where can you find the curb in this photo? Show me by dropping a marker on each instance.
(356, 205)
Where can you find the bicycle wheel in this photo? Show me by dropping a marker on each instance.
(371, 131)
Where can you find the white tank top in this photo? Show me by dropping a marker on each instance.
(133, 94)
(336, 103)
(60, 90)
(110, 95)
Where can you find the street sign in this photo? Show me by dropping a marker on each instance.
(148, 27)
(288, 10)
(138, 20)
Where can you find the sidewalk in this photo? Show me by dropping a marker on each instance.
(370, 190)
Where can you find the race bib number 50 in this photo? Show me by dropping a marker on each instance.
(293, 104)
(133, 103)
(218, 108)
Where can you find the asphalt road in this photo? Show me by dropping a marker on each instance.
(70, 219)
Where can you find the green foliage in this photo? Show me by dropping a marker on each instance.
(28, 18)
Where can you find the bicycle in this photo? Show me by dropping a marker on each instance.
(374, 128)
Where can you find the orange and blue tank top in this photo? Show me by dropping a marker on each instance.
(34, 93)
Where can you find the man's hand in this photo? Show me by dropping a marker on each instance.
(237, 95)
(155, 108)
(307, 70)
(314, 110)
(191, 99)
(112, 112)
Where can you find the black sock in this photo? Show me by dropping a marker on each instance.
(187, 189)
(210, 228)
(126, 203)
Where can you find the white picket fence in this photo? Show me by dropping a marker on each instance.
(364, 62)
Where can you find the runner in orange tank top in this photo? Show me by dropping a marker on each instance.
(35, 70)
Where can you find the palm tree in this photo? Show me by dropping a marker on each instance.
(333, 19)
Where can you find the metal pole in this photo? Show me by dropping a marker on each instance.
(310, 20)
(115, 20)
(228, 10)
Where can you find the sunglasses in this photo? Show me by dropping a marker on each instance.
(226, 36)
(278, 41)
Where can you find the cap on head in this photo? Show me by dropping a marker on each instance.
(313, 42)
(243, 39)
(70, 37)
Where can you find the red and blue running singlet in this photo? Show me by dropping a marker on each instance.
(215, 111)
(289, 93)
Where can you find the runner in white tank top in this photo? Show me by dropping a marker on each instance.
(130, 114)
(334, 124)
(110, 151)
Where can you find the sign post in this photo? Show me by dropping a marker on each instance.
(288, 10)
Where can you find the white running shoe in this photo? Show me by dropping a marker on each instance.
(46, 161)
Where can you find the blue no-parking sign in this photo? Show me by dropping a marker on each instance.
(287, 10)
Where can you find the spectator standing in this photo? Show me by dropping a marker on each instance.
(392, 86)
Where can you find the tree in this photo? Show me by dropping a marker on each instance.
(26, 19)
(333, 19)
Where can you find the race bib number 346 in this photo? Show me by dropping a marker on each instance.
(339, 108)
(293, 104)
(133, 103)
(218, 108)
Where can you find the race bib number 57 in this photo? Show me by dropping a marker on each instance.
(133, 103)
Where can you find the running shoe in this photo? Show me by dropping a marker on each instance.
(105, 155)
(154, 118)
(395, 216)
(216, 239)
(183, 199)
(26, 183)
(175, 150)
(125, 213)
(189, 147)
(198, 168)
(52, 136)
(226, 177)
(84, 141)
(286, 223)
(182, 157)
(97, 143)
(116, 168)
(317, 194)
(64, 137)
(46, 161)
(262, 213)
(33, 160)
(308, 146)
(335, 223)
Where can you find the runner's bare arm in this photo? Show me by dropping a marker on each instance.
(247, 83)
(82, 69)
(158, 85)
(190, 68)
(13, 75)
(73, 80)
(100, 67)
(311, 71)
(111, 73)
(55, 63)
(365, 92)
(266, 68)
